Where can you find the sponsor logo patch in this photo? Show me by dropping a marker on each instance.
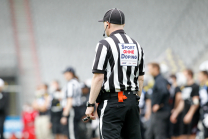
(128, 54)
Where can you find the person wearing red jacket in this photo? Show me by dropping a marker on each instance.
(28, 117)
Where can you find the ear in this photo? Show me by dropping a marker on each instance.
(109, 25)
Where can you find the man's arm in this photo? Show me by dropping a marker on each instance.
(178, 98)
(67, 107)
(177, 111)
(66, 111)
(148, 109)
(141, 80)
(195, 99)
(69, 93)
(97, 82)
(188, 117)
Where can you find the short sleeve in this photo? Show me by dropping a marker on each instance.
(70, 89)
(141, 65)
(195, 91)
(147, 95)
(99, 64)
(177, 90)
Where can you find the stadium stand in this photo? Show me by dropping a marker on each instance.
(156, 24)
(7, 48)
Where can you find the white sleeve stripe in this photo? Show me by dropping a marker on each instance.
(69, 90)
(102, 58)
(95, 55)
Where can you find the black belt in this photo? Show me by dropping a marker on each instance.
(107, 95)
(115, 94)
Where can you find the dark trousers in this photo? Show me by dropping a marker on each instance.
(77, 119)
(158, 126)
(119, 120)
(2, 119)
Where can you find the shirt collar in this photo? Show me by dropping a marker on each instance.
(121, 31)
(157, 76)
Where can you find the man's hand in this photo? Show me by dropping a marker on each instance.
(63, 121)
(89, 113)
(97, 82)
(50, 125)
(155, 108)
(147, 116)
(187, 119)
(173, 117)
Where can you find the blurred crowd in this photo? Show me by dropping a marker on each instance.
(57, 112)
(172, 106)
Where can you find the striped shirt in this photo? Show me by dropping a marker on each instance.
(73, 90)
(121, 60)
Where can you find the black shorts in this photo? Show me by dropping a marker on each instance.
(175, 128)
(189, 129)
(58, 128)
(119, 119)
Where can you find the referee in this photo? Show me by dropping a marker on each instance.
(117, 82)
(73, 95)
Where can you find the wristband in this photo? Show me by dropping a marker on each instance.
(64, 116)
(90, 105)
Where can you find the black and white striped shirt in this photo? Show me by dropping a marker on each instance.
(73, 90)
(121, 60)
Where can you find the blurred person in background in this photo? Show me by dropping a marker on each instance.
(59, 130)
(42, 105)
(84, 126)
(95, 125)
(160, 107)
(145, 105)
(85, 97)
(28, 116)
(203, 94)
(73, 94)
(189, 106)
(145, 110)
(175, 97)
(3, 108)
(93, 131)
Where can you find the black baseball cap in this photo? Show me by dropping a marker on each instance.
(114, 16)
(69, 69)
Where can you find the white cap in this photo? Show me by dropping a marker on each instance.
(1, 82)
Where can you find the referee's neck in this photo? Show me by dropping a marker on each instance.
(114, 28)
